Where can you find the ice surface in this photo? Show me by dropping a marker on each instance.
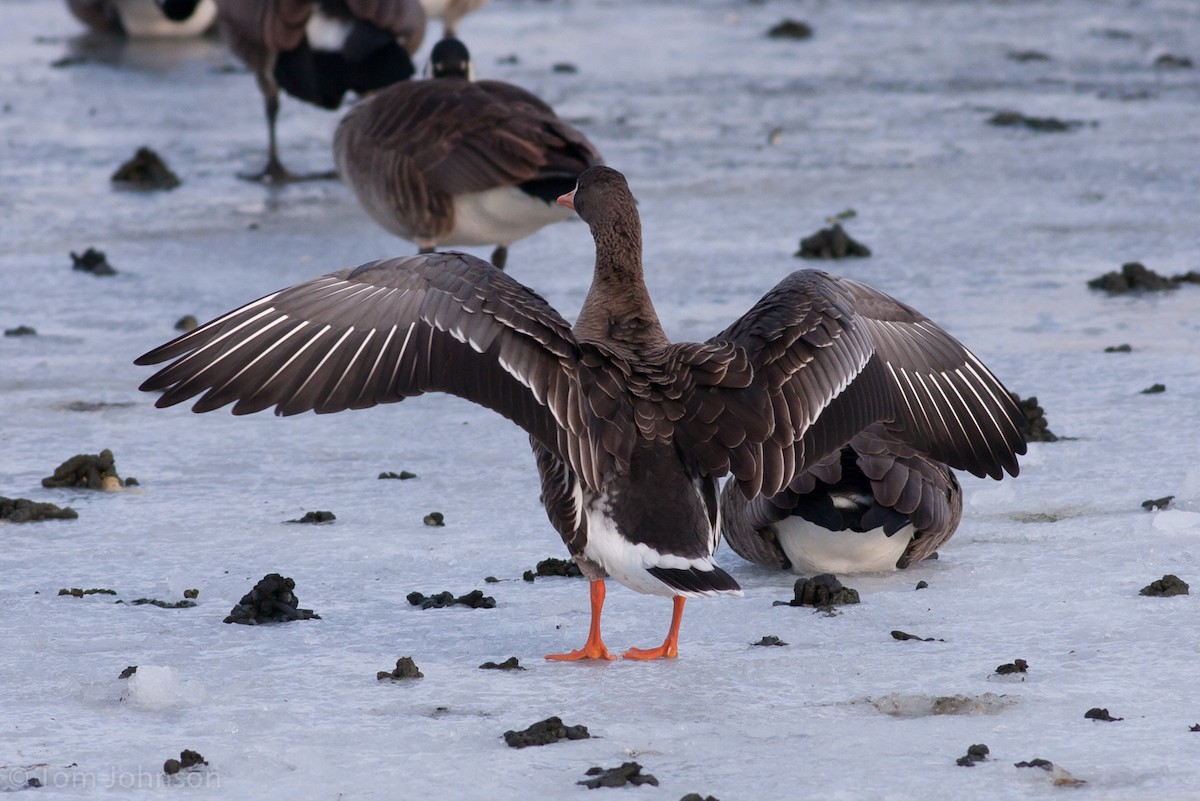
(991, 231)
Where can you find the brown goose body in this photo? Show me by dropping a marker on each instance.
(877, 504)
(317, 50)
(631, 431)
(450, 161)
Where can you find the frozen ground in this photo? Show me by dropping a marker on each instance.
(991, 231)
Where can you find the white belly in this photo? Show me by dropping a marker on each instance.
(500, 216)
(813, 549)
(144, 19)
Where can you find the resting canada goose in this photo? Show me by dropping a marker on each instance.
(631, 432)
(451, 161)
(450, 12)
(146, 18)
(317, 50)
(877, 504)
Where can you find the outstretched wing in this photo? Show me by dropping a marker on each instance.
(380, 333)
(833, 356)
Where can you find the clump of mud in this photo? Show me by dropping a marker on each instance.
(145, 171)
(554, 567)
(1171, 61)
(1165, 587)
(403, 475)
(1015, 119)
(790, 29)
(186, 323)
(315, 517)
(187, 759)
(904, 635)
(184, 604)
(769, 639)
(698, 797)
(271, 601)
(1026, 56)
(916, 706)
(405, 668)
(1059, 776)
(1154, 389)
(87, 471)
(1015, 666)
(20, 331)
(92, 261)
(127, 672)
(1124, 347)
(474, 599)
(545, 732)
(831, 243)
(23, 510)
(434, 519)
(508, 664)
(975, 753)
(1157, 503)
(1099, 713)
(1136, 277)
(1034, 424)
(822, 590)
(76, 592)
(627, 773)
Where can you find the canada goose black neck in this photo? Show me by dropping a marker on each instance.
(618, 305)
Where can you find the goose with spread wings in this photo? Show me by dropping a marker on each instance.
(875, 504)
(631, 431)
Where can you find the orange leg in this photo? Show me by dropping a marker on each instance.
(594, 647)
(670, 647)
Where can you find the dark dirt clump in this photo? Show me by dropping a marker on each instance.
(434, 519)
(1154, 389)
(508, 664)
(565, 67)
(271, 601)
(127, 672)
(315, 517)
(1098, 713)
(831, 243)
(403, 475)
(185, 604)
(698, 797)
(1158, 503)
(545, 732)
(98, 406)
(1124, 347)
(23, 510)
(1165, 587)
(628, 773)
(1136, 277)
(904, 635)
(1025, 56)
(769, 639)
(1015, 119)
(186, 323)
(1194, 727)
(922, 585)
(187, 759)
(790, 29)
(405, 668)
(554, 567)
(474, 599)
(20, 331)
(145, 171)
(76, 592)
(821, 591)
(1034, 426)
(975, 753)
(1036, 762)
(1173, 62)
(92, 261)
(1015, 666)
(86, 471)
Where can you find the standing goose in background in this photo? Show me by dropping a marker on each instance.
(631, 431)
(146, 18)
(452, 161)
(317, 50)
(450, 12)
(877, 504)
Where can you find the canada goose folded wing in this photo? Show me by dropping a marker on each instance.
(378, 334)
(834, 356)
(401, 19)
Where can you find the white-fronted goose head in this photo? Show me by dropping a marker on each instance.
(449, 161)
(875, 505)
(150, 19)
(631, 432)
(318, 50)
(450, 12)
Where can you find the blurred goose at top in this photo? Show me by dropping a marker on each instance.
(452, 161)
(450, 12)
(317, 50)
(876, 504)
(630, 430)
(146, 18)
